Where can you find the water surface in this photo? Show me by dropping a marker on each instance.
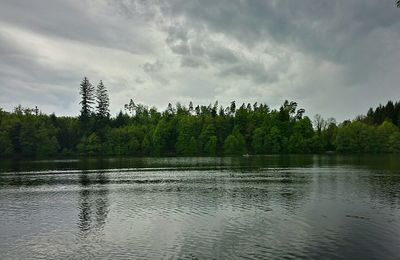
(267, 207)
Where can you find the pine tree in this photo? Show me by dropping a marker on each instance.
(191, 107)
(232, 109)
(130, 107)
(103, 102)
(87, 98)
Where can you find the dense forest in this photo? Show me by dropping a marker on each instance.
(191, 130)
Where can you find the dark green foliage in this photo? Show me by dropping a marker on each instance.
(390, 112)
(297, 144)
(123, 141)
(46, 144)
(160, 136)
(89, 145)
(27, 133)
(258, 142)
(27, 139)
(384, 132)
(87, 98)
(6, 146)
(103, 102)
(358, 137)
(273, 141)
(210, 148)
(186, 144)
(86, 118)
(234, 144)
(211, 130)
(192, 147)
(178, 131)
(394, 142)
(207, 133)
(147, 145)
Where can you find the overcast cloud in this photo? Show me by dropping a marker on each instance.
(336, 58)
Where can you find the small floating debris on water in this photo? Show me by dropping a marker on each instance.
(358, 217)
(246, 155)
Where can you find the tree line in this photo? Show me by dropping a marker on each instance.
(200, 130)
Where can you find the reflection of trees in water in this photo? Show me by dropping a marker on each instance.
(93, 201)
(85, 208)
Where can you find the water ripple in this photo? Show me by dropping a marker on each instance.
(201, 212)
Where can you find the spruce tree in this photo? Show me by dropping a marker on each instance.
(87, 98)
(103, 101)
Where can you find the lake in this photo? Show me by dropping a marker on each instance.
(266, 207)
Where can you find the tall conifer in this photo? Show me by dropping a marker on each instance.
(103, 102)
(87, 98)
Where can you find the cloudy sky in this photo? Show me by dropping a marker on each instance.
(336, 58)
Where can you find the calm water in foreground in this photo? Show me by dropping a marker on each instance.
(272, 207)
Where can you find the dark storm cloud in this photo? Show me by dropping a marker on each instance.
(317, 52)
(325, 27)
(255, 71)
(361, 37)
(73, 20)
(333, 30)
(177, 40)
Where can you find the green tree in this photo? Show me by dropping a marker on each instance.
(273, 141)
(394, 142)
(315, 144)
(89, 145)
(186, 131)
(197, 130)
(47, 144)
(384, 132)
(124, 141)
(344, 140)
(160, 135)
(297, 144)
(211, 146)
(304, 128)
(328, 136)
(147, 145)
(356, 137)
(234, 144)
(27, 139)
(192, 149)
(6, 147)
(103, 102)
(258, 142)
(207, 132)
(87, 98)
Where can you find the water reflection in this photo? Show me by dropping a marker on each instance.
(85, 210)
(314, 207)
(93, 201)
(383, 162)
